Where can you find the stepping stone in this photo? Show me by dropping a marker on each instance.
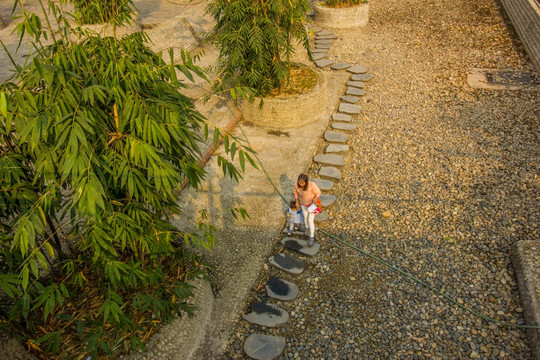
(322, 216)
(330, 172)
(325, 37)
(319, 56)
(301, 245)
(316, 30)
(355, 91)
(343, 126)
(362, 77)
(327, 200)
(281, 289)
(336, 149)
(329, 159)
(358, 69)
(357, 84)
(335, 137)
(341, 66)
(319, 41)
(266, 314)
(323, 63)
(287, 263)
(324, 33)
(264, 347)
(319, 51)
(350, 99)
(323, 46)
(349, 108)
(341, 117)
(324, 184)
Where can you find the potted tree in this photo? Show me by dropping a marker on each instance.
(256, 40)
(342, 13)
(107, 18)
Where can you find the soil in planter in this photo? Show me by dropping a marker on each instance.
(301, 80)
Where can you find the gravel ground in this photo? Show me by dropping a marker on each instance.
(456, 167)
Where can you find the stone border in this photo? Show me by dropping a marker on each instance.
(342, 18)
(526, 262)
(287, 111)
(525, 17)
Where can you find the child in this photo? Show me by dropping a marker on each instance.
(295, 217)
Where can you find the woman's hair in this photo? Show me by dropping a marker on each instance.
(305, 178)
(292, 204)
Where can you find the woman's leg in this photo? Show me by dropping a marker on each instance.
(311, 218)
(305, 214)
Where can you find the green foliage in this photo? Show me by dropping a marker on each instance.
(256, 40)
(100, 11)
(95, 139)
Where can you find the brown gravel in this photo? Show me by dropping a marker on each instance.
(456, 167)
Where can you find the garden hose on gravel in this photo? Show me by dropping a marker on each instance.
(404, 273)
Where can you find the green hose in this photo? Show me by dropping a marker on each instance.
(410, 276)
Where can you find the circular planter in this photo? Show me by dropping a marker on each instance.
(185, 2)
(105, 30)
(288, 111)
(342, 18)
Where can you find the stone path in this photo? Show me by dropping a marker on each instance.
(265, 347)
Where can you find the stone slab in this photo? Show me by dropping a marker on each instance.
(323, 63)
(357, 84)
(336, 149)
(266, 314)
(325, 37)
(349, 108)
(324, 33)
(287, 263)
(341, 66)
(281, 289)
(330, 159)
(341, 117)
(301, 246)
(525, 260)
(335, 137)
(319, 51)
(350, 99)
(330, 173)
(362, 77)
(342, 126)
(327, 200)
(358, 69)
(322, 216)
(319, 56)
(264, 347)
(355, 91)
(324, 184)
(323, 41)
(323, 46)
(316, 30)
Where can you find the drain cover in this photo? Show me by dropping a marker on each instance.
(502, 79)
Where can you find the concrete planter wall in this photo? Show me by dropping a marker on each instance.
(287, 111)
(342, 18)
(105, 30)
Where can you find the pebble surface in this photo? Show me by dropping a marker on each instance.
(441, 180)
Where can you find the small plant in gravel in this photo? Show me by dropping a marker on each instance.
(95, 139)
(344, 3)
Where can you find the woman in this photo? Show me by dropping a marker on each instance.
(307, 193)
